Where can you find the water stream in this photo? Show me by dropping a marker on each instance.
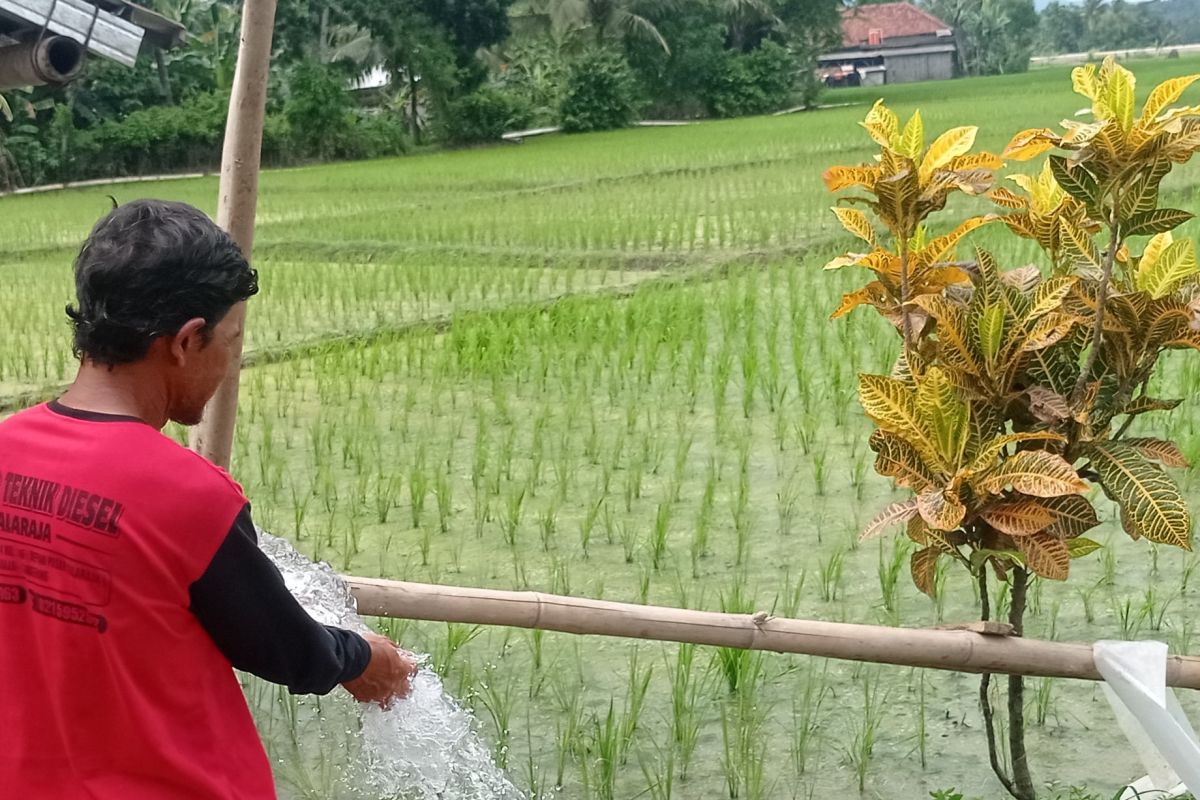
(424, 748)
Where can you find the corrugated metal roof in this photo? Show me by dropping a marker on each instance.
(113, 29)
(106, 34)
(918, 50)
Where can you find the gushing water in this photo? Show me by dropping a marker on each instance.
(424, 748)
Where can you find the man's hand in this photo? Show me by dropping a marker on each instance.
(388, 675)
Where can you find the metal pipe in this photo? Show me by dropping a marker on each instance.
(213, 437)
(954, 650)
(52, 60)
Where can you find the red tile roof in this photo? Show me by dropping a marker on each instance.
(892, 19)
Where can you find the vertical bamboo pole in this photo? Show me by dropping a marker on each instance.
(240, 159)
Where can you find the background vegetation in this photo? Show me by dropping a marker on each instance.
(600, 364)
(464, 72)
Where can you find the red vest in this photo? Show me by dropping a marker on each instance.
(111, 688)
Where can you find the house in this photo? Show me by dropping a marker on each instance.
(890, 43)
(48, 41)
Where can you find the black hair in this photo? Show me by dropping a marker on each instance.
(146, 269)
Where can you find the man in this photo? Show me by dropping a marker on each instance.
(130, 579)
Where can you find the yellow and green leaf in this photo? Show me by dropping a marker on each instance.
(856, 222)
(923, 564)
(897, 459)
(1083, 81)
(945, 415)
(1163, 451)
(1151, 503)
(1118, 96)
(874, 293)
(991, 331)
(941, 510)
(837, 178)
(986, 457)
(881, 124)
(952, 331)
(1049, 295)
(1168, 267)
(941, 248)
(1159, 220)
(1033, 472)
(1164, 94)
(949, 146)
(1074, 515)
(1078, 548)
(1030, 144)
(894, 514)
(1144, 405)
(1020, 516)
(893, 407)
(1048, 330)
(912, 140)
(1047, 556)
(1007, 198)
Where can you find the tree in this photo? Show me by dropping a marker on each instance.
(1014, 389)
(318, 108)
(1062, 29)
(600, 94)
(594, 22)
(714, 52)
(431, 47)
(994, 36)
(1104, 25)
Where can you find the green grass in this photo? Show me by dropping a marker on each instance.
(693, 440)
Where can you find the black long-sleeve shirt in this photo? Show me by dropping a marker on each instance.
(242, 602)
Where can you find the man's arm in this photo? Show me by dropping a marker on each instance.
(243, 603)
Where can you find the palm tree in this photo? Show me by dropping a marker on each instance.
(747, 22)
(603, 20)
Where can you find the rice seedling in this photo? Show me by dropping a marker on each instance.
(659, 772)
(807, 718)
(831, 573)
(744, 751)
(602, 365)
(496, 696)
(658, 538)
(860, 750)
(457, 637)
(891, 569)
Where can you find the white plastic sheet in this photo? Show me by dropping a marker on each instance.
(1151, 718)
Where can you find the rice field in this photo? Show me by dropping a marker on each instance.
(601, 365)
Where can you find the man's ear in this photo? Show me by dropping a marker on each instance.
(187, 340)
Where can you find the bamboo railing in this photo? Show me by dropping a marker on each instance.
(960, 650)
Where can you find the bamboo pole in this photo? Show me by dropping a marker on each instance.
(238, 197)
(955, 650)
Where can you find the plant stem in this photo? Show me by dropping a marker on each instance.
(1016, 696)
(985, 701)
(905, 322)
(1129, 420)
(1110, 258)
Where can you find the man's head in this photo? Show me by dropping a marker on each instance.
(154, 285)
